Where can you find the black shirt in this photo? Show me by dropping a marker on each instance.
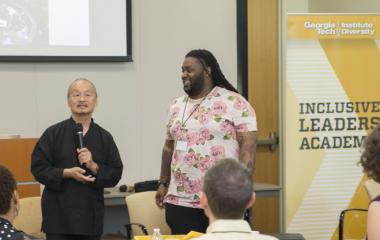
(7, 231)
(68, 206)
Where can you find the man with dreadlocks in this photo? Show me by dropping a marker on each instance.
(211, 122)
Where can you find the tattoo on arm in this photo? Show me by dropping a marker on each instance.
(167, 153)
(247, 145)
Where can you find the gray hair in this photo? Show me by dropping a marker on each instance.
(77, 80)
(228, 186)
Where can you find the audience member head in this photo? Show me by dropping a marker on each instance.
(209, 62)
(227, 190)
(9, 202)
(370, 158)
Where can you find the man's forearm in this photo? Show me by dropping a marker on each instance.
(167, 154)
(247, 156)
(247, 145)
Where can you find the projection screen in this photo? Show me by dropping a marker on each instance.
(65, 30)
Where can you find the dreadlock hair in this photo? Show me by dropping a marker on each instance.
(207, 59)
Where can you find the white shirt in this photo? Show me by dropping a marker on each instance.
(232, 230)
(205, 131)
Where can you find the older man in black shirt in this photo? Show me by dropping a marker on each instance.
(74, 177)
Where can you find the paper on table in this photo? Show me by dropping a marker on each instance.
(190, 235)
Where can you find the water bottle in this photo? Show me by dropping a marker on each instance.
(156, 234)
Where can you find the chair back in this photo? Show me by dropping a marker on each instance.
(29, 219)
(143, 210)
(353, 224)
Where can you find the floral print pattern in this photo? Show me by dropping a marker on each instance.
(209, 129)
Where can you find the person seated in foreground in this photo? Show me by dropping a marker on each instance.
(370, 160)
(9, 207)
(227, 193)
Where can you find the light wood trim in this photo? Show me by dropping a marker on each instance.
(263, 92)
(31, 190)
(263, 85)
(266, 214)
(15, 154)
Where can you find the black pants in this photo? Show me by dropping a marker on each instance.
(182, 220)
(70, 237)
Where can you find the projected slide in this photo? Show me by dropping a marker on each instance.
(69, 31)
(23, 22)
(64, 28)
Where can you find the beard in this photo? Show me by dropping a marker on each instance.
(195, 86)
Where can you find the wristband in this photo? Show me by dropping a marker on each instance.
(165, 184)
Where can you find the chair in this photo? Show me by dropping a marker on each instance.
(288, 236)
(353, 224)
(144, 215)
(29, 219)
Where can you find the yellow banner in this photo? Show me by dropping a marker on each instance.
(333, 27)
(332, 102)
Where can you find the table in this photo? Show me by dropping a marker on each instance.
(116, 211)
(113, 197)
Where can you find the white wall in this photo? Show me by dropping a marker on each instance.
(133, 97)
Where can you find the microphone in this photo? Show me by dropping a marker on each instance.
(79, 131)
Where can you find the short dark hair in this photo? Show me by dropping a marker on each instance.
(370, 158)
(207, 59)
(7, 188)
(228, 186)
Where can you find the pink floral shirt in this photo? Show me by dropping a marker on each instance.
(208, 135)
